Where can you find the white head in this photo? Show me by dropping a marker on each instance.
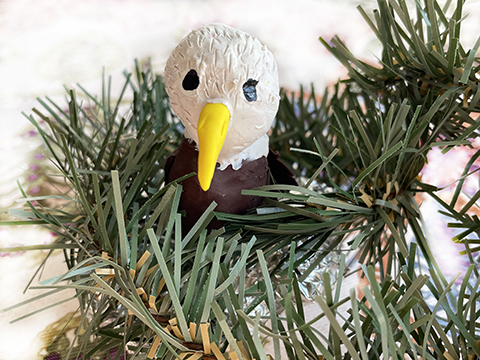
(217, 64)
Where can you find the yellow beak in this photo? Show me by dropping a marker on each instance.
(212, 129)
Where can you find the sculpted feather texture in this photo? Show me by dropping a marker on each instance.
(224, 59)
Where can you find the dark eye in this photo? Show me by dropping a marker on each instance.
(191, 81)
(249, 90)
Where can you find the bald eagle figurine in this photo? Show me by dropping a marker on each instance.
(223, 86)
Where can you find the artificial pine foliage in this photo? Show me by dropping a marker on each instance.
(148, 289)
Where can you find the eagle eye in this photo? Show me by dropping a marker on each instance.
(249, 90)
(191, 81)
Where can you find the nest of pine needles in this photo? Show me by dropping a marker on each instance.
(149, 290)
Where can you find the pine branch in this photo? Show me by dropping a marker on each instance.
(365, 141)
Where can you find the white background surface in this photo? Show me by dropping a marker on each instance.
(47, 44)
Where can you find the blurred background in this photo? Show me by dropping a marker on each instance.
(49, 46)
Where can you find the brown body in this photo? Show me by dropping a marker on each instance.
(225, 189)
